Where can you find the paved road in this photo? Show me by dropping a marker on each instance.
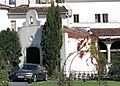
(19, 84)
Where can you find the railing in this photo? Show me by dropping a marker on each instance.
(83, 75)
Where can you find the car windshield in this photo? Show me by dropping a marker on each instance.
(29, 67)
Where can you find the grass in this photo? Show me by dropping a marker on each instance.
(80, 83)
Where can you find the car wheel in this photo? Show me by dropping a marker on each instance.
(34, 78)
(29, 80)
(46, 77)
(11, 79)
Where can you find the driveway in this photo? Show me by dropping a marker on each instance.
(19, 84)
(26, 83)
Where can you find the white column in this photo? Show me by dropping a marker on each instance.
(64, 52)
(67, 19)
(108, 44)
(108, 52)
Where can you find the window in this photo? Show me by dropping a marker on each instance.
(31, 20)
(37, 1)
(101, 17)
(76, 18)
(58, 1)
(105, 18)
(12, 2)
(13, 25)
(97, 18)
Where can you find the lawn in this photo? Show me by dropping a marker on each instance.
(79, 83)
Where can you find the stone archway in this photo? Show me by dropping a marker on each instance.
(33, 55)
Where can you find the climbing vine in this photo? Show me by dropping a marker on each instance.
(101, 61)
(90, 42)
(94, 49)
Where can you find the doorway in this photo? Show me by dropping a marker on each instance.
(33, 55)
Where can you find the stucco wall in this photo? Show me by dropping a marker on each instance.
(4, 22)
(87, 11)
(30, 34)
(25, 39)
(78, 64)
(20, 19)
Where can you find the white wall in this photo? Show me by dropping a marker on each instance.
(27, 31)
(78, 64)
(21, 2)
(4, 22)
(87, 11)
(41, 18)
(3, 1)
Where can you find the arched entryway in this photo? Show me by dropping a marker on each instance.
(115, 45)
(102, 46)
(33, 55)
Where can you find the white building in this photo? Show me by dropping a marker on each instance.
(88, 13)
(101, 17)
(4, 21)
(94, 14)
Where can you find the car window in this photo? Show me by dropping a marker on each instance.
(29, 67)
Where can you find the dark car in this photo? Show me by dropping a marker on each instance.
(30, 72)
(107, 77)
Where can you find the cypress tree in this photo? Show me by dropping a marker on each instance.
(51, 41)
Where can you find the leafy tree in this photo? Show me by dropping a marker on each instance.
(51, 41)
(10, 49)
(10, 45)
(114, 69)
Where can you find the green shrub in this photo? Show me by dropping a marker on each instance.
(114, 69)
(4, 80)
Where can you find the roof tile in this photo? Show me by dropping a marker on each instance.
(74, 33)
(106, 31)
(3, 6)
(25, 8)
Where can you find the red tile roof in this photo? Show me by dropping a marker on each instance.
(25, 8)
(4, 7)
(74, 33)
(106, 31)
